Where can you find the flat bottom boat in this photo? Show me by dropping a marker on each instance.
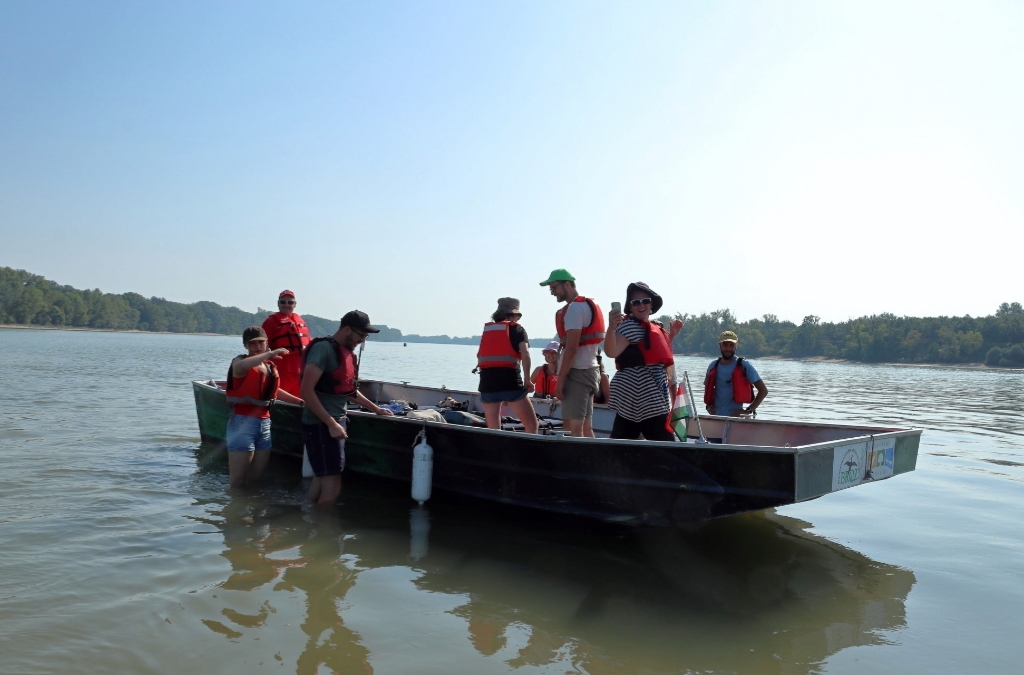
(748, 465)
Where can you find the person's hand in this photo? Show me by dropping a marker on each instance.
(384, 412)
(675, 327)
(530, 388)
(559, 387)
(336, 430)
(278, 353)
(614, 319)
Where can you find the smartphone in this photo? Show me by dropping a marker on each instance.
(616, 306)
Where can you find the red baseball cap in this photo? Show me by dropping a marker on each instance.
(286, 294)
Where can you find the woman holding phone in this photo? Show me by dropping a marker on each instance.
(642, 350)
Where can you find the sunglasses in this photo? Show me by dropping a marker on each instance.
(639, 301)
(286, 302)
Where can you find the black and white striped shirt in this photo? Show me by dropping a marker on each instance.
(641, 392)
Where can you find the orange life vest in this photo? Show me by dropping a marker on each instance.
(591, 334)
(545, 384)
(255, 393)
(742, 390)
(342, 380)
(496, 349)
(656, 347)
(286, 330)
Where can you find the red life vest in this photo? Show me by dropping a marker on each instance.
(286, 330)
(742, 390)
(255, 393)
(591, 334)
(342, 380)
(656, 347)
(496, 349)
(545, 384)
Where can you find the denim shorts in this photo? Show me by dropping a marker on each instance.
(503, 396)
(326, 455)
(248, 434)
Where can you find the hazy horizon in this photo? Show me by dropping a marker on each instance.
(420, 160)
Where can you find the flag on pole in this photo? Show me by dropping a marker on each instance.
(680, 412)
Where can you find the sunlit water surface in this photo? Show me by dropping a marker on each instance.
(123, 552)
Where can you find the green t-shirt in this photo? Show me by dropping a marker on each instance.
(325, 356)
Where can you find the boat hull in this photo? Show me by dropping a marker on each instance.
(632, 482)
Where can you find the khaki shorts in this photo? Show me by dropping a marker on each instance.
(578, 393)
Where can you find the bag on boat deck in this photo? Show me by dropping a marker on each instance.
(426, 415)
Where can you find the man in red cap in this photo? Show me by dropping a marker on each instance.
(286, 329)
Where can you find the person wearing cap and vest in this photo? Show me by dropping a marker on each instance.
(287, 329)
(252, 388)
(730, 381)
(503, 345)
(329, 380)
(580, 328)
(545, 376)
(642, 349)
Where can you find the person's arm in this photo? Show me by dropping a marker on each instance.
(524, 351)
(310, 376)
(606, 387)
(674, 328)
(572, 345)
(288, 398)
(239, 367)
(614, 343)
(762, 392)
(361, 399)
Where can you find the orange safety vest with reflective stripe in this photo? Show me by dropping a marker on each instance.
(591, 334)
(742, 390)
(256, 392)
(496, 346)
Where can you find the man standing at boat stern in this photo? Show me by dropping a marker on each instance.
(329, 379)
(730, 381)
(580, 327)
(287, 330)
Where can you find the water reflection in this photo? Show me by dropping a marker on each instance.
(754, 593)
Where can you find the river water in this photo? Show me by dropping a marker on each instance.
(123, 552)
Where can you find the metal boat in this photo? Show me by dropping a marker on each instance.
(746, 465)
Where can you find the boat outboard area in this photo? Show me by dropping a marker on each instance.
(727, 466)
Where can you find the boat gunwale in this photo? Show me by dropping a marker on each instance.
(883, 432)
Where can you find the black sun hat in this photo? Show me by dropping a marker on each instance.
(641, 287)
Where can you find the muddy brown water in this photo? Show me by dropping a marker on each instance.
(122, 550)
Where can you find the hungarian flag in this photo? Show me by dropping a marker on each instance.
(680, 412)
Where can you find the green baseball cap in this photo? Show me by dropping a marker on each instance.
(558, 275)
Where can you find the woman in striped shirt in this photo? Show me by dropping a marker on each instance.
(642, 350)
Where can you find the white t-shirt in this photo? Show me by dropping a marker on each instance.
(578, 316)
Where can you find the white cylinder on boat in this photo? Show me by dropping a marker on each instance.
(307, 468)
(422, 469)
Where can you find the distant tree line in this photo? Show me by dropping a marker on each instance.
(996, 340)
(30, 299)
(883, 338)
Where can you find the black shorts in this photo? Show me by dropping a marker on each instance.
(326, 455)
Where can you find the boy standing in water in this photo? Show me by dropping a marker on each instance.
(253, 386)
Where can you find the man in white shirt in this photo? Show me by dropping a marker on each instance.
(580, 325)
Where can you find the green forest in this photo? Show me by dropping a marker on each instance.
(996, 340)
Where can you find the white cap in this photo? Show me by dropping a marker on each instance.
(552, 346)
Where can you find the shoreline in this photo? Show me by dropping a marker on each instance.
(772, 357)
(85, 329)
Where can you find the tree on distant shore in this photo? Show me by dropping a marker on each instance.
(996, 340)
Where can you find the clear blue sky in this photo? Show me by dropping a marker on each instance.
(418, 160)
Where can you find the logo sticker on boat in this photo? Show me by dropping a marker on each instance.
(848, 462)
(878, 463)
